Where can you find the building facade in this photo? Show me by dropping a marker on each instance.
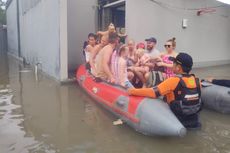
(52, 32)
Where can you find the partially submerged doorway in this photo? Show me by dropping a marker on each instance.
(112, 11)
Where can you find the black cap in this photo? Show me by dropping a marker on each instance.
(151, 39)
(184, 59)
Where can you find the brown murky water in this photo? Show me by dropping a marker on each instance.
(44, 117)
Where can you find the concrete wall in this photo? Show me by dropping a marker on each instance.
(40, 39)
(3, 40)
(12, 29)
(206, 38)
(82, 19)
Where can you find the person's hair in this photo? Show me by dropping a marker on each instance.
(186, 69)
(85, 44)
(113, 37)
(122, 49)
(173, 41)
(131, 40)
(140, 51)
(92, 35)
(105, 37)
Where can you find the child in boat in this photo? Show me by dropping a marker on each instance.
(122, 67)
(143, 59)
(182, 92)
(140, 45)
(132, 59)
(111, 29)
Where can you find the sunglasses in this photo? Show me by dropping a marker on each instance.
(168, 46)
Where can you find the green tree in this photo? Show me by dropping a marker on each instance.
(2, 12)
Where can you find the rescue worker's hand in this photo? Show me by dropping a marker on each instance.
(131, 91)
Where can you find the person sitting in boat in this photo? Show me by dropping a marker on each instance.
(88, 49)
(122, 73)
(131, 59)
(95, 51)
(166, 62)
(92, 38)
(182, 92)
(163, 67)
(220, 82)
(152, 52)
(142, 64)
(103, 61)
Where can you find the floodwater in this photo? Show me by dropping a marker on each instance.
(42, 116)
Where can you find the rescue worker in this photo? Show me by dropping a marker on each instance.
(182, 92)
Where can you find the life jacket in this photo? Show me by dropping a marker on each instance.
(186, 97)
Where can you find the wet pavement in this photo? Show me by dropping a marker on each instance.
(41, 116)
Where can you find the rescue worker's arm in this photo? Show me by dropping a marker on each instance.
(169, 85)
(144, 92)
(162, 89)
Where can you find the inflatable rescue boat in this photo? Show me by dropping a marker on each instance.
(215, 97)
(145, 115)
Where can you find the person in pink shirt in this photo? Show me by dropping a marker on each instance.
(170, 46)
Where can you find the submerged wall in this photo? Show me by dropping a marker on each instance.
(43, 34)
(39, 27)
(82, 19)
(206, 38)
(12, 29)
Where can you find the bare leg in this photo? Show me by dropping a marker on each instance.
(139, 73)
(147, 77)
(130, 75)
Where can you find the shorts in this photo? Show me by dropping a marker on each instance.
(128, 84)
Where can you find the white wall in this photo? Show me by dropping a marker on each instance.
(40, 39)
(82, 19)
(12, 29)
(206, 38)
